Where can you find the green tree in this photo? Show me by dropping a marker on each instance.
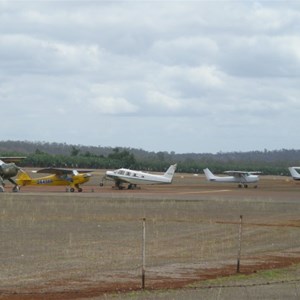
(75, 151)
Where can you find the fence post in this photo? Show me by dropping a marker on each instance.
(144, 254)
(239, 245)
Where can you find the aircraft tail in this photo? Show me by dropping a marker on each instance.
(23, 178)
(294, 173)
(170, 172)
(209, 175)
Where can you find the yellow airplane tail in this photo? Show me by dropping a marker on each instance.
(23, 179)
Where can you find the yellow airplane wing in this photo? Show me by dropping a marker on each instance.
(62, 171)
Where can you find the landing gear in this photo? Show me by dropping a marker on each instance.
(102, 181)
(118, 185)
(132, 186)
(79, 189)
(245, 185)
(1, 185)
(72, 189)
(16, 189)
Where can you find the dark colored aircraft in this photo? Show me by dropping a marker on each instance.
(9, 169)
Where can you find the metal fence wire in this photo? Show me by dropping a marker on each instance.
(45, 245)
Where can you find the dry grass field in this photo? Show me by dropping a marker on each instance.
(58, 245)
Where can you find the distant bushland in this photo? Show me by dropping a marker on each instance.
(44, 154)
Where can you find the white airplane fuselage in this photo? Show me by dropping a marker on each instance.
(137, 177)
(133, 177)
(241, 178)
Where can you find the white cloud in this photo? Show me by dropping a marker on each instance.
(215, 71)
(271, 19)
(113, 105)
(190, 50)
(163, 102)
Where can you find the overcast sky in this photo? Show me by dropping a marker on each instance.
(183, 76)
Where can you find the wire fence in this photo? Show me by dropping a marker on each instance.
(59, 248)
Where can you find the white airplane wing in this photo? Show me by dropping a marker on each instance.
(241, 173)
(236, 173)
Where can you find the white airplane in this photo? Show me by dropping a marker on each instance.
(241, 177)
(133, 177)
(294, 173)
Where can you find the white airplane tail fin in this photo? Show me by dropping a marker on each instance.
(170, 172)
(209, 175)
(294, 172)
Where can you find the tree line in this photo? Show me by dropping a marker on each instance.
(43, 154)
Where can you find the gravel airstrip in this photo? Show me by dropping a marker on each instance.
(89, 245)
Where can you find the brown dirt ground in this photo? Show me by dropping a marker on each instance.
(45, 233)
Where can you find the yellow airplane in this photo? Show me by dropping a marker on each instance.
(60, 176)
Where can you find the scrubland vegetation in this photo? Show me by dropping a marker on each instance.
(44, 154)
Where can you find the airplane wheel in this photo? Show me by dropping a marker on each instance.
(80, 190)
(239, 185)
(16, 189)
(101, 183)
(245, 186)
(72, 190)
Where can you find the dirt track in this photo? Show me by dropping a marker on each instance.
(57, 245)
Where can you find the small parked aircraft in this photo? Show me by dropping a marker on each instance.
(60, 176)
(9, 169)
(241, 177)
(294, 173)
(133, 177)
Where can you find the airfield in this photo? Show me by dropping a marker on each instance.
(59, 245)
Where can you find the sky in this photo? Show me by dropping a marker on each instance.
(182, 76)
